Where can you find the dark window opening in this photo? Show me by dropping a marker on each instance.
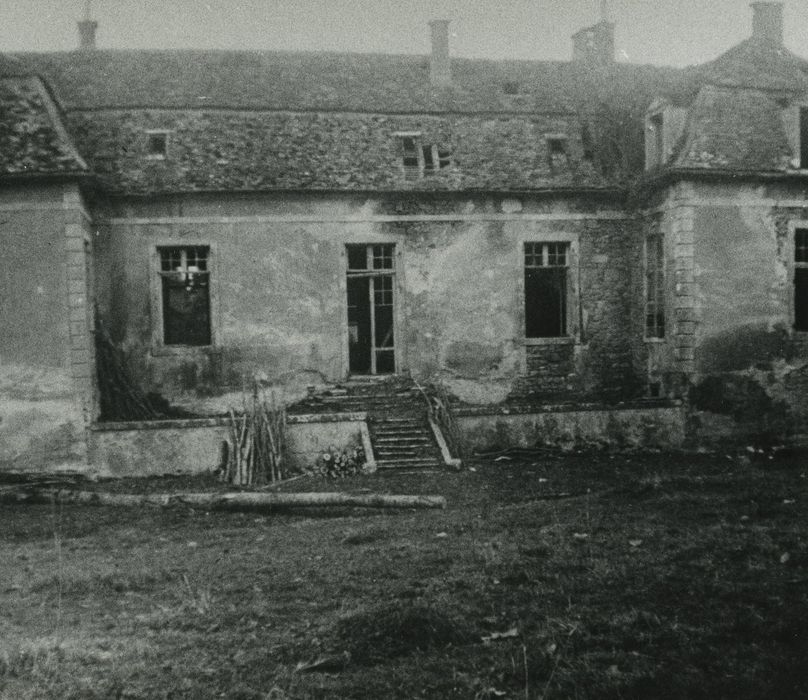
(444, 158)
(357, 257)
(588, 143)
(157, 145)
(429, 163)
(557, 153)
(546, 266)
(185, 280)
(419, 159)
(371, 341)
(654, 287)
(656, 126)
(801, 280)
(510, 87)
(804, 137)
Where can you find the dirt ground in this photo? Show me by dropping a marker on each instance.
(548, 576)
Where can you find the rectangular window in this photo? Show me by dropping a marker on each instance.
(371, 315)
(654, 287)
(185, 295)
(557, 158)
(804, 137)
(419, 159)
(157, 144)
(801, 279)
(546, 273)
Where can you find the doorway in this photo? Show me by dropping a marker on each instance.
(371, 325)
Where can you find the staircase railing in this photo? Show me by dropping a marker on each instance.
(439, 409)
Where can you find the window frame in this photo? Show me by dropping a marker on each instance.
(573, 311)
(793, 266)
(158, 344)
(661, 288)
(150, 134)
(440, 157)
(564, 141)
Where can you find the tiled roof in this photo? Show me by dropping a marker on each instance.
(757, 64)
(33, 140)
(736, 129)
(266, 120)
(261, 150)
(330, 81)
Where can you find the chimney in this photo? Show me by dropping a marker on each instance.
(440, 68)
(87, 29)
(594, 46)
(767, 22)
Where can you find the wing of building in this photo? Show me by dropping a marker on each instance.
(582, 251)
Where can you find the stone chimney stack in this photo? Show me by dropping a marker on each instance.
(594, 45)
(767, 22)
(87, 29)
(440, 66)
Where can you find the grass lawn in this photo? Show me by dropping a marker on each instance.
(658, 576)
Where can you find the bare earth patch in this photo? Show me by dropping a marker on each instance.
(577, 576)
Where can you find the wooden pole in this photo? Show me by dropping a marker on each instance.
(219, 501)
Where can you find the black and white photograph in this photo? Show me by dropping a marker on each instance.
(380, 349)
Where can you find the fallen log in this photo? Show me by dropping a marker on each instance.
(218, 501)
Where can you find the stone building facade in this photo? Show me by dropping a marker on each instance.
(579, 234)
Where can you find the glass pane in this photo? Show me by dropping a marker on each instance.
(533, 254)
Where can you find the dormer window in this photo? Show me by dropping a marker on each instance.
(557, 156)
(419, 159)
(157, 145)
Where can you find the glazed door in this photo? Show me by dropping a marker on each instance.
(371, 325)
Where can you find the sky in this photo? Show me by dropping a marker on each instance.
(666, 32)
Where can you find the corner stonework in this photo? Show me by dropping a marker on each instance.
(686, 315)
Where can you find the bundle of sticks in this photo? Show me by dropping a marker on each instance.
(255, 454)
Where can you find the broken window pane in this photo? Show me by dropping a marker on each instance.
(357, 257)
(546, 290)
(185, 295)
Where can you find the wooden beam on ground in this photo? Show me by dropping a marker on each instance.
(217, 501)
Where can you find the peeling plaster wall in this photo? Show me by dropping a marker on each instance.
(45, 389)
(279, 291)
(742, 366)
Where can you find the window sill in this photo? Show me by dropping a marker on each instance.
(655, 340)
(184, 350)
(563, 340)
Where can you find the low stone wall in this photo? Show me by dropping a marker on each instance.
(41, 421)
(157, 447)
(308, 436)
(152, 448)
(648, 425)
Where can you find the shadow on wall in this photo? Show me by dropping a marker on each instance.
(744, 347)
